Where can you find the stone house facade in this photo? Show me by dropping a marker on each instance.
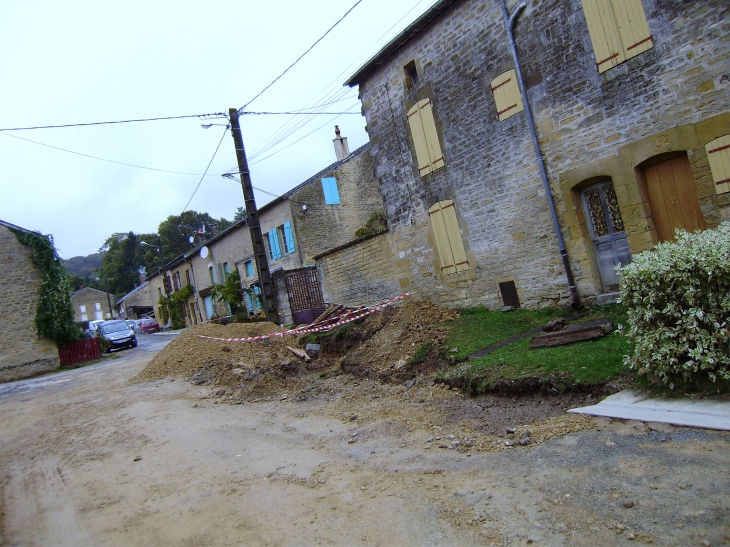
(22, 353)
(629, 124)
(137, 303)
(92, 304)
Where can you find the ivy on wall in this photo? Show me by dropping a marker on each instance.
(172, 307)
(54, 317)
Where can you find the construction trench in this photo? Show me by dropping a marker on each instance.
(210, 443)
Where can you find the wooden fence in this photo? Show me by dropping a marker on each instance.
(80, 352)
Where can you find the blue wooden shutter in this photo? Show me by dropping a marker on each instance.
(274, 244)
(331, 193)
(289, 238)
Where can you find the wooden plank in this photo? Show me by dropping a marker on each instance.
(656, 204)
(718, 156)
(299, 353)
(326, 313)
(419, 141)
(432, 137)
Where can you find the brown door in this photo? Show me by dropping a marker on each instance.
(673, 198)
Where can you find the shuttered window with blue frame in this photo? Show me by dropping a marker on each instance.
(274, 247)
(331, 193)
(288, 237)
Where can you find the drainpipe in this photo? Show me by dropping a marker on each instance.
(509, 24)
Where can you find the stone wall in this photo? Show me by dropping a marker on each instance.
(672, 98)
(362, 272)
(22, 352)
(322, 226)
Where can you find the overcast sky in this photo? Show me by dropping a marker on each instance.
(82, 61)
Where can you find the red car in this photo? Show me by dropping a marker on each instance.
(149, 325)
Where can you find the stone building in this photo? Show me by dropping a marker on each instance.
(137, 303)
(92, 304)
(628, 99)
(22, 352)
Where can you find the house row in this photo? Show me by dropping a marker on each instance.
(323, 212)
(518, 153)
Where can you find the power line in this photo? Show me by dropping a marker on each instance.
(104, 159)
(216, 115)
(301, 56)
(206, 169)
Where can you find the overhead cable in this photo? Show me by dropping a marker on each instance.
(300, 57)
(206, 169)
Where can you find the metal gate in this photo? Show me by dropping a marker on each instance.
(305, 296)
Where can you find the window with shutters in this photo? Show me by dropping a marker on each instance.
(226, 270)
(618, 30)
(448, 237)
(425, 138)
(718, 155)
(248, 265)
(507, 95)
(287, 237)
(272, 244)
(331, 193)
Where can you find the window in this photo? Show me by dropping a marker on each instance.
(176, 280)
(618, 30)
(272, 238)
(82, 309)
(226, 270)
(331, 194)
(187, 276)
(448, 237)
(98, 306)
(718, 155)
(507, 95)
(248, 265)
(212, 274)
(411, 74)
(425, 138)
(287, 237)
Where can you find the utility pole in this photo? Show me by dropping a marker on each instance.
(108, 299)
(254, 227)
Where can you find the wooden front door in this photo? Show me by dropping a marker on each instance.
(673, 198)
(607, 231)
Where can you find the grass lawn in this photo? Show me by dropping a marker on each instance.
(589, 362)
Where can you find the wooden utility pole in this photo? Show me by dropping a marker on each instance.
(254, 227)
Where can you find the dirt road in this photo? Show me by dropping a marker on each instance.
(90, 460)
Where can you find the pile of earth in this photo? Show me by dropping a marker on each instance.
(187, 352)
(397, 343)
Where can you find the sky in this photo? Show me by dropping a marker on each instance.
(84, 61)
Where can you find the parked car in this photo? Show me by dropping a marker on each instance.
(148, 325)
(118, 334)
(94, 325)
(133, 324)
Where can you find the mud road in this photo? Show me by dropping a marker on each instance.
(91, 460)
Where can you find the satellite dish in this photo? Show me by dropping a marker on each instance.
(191, 239)
(204, 252)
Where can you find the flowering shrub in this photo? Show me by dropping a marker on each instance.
(678, 297)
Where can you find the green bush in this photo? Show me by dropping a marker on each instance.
(678, 297)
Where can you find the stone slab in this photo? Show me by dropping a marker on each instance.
(632, 405)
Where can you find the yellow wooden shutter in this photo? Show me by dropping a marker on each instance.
(632, 27)
(432, 137)
(448, 237)
(419, 141)
(507, 94)
(604, 33)
(718, 155)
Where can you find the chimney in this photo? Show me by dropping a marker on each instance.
(341, 148)
(142, 275)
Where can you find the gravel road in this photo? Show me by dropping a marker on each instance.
(90, 460)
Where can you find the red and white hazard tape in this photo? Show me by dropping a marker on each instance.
(345, 318)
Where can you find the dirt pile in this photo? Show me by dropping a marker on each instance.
(398, 342)
(187, 352)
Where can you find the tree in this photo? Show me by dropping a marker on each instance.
(120, 265)
(230, 292)
(176, 230)
(241, 214)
